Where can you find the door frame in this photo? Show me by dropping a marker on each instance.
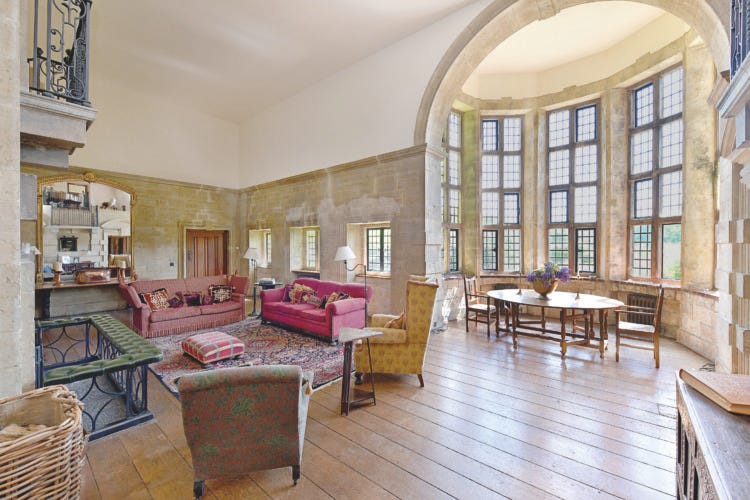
(184, 227)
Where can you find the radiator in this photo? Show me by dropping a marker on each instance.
(641, 300)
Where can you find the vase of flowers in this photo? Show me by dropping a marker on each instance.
(544, 279)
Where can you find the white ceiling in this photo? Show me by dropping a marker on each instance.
(572, 34)
(234, 58)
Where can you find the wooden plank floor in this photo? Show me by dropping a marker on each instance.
(490, 422)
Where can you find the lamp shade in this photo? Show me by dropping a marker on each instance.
(344, 253)
(251, 254)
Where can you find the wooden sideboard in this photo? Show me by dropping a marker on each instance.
(713, 448)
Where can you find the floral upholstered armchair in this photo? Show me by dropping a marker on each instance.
(244, 419)
(402, 347)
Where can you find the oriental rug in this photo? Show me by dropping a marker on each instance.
(264, 345)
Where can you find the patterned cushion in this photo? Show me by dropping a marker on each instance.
(336, 296)
(158, 300)
(299, 293)
(190, 298)
(314, 300)
(142, 296)
(175, 302)
(287, 293)
(212, 346)
(220, 293)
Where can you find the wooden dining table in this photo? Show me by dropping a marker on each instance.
(575, 316)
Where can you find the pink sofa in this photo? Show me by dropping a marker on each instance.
(309, 318)
(150, 323)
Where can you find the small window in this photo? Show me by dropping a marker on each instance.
(311, 248)
(379, 249)
(453, 250)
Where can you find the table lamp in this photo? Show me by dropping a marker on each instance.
(57, 268)
(346, 253)
(253, 255)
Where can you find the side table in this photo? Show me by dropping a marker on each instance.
(355, 397)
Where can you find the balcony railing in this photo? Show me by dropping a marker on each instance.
(59, 62)
(740, 34)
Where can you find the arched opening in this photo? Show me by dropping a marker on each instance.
(700, 53)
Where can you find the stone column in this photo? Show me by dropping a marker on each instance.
(614, 182)
(535, 189)
(16, 296)
(699, 170)
(470, 179)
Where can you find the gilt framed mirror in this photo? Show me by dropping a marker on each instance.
(84, 222)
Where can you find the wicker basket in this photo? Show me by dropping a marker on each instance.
(45, 463)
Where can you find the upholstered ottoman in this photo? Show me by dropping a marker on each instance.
(210, 347)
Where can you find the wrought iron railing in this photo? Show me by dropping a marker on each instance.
(740, 33)
(59, 64)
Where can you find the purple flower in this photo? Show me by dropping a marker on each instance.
(550, 272)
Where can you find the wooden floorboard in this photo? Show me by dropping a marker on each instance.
(491, 422)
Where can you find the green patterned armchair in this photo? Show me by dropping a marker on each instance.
(402, 347)
(240, 420)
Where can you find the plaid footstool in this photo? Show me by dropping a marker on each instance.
(210, 347)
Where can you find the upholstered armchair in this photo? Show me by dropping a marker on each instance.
(402, 347)
(240, 420)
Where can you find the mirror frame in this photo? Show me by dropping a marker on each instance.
(85, 177)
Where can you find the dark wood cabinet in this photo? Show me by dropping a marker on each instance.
(713, 448)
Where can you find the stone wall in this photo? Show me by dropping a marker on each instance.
(389, 188)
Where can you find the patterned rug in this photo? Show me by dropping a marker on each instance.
(264, 345)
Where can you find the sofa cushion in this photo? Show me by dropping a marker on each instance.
(142, 295)
(314, 314)
(221, 307)
(212, 346)
(173, 313)
(220, 293)
(175, 302)
(286, 308)
(190, 298)
(300, 293)
(158, 300)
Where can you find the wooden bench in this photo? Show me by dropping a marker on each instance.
(116, 352)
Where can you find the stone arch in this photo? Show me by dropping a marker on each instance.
(502, 18)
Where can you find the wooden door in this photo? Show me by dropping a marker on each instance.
(206, 253)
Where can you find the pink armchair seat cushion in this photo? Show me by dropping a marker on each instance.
(212, 346)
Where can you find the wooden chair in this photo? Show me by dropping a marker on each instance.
(480, 308)
(646, 333)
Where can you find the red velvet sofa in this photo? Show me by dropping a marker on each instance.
(309, 318)
(150, 323)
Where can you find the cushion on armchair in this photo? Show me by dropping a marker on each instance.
(397, 322)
